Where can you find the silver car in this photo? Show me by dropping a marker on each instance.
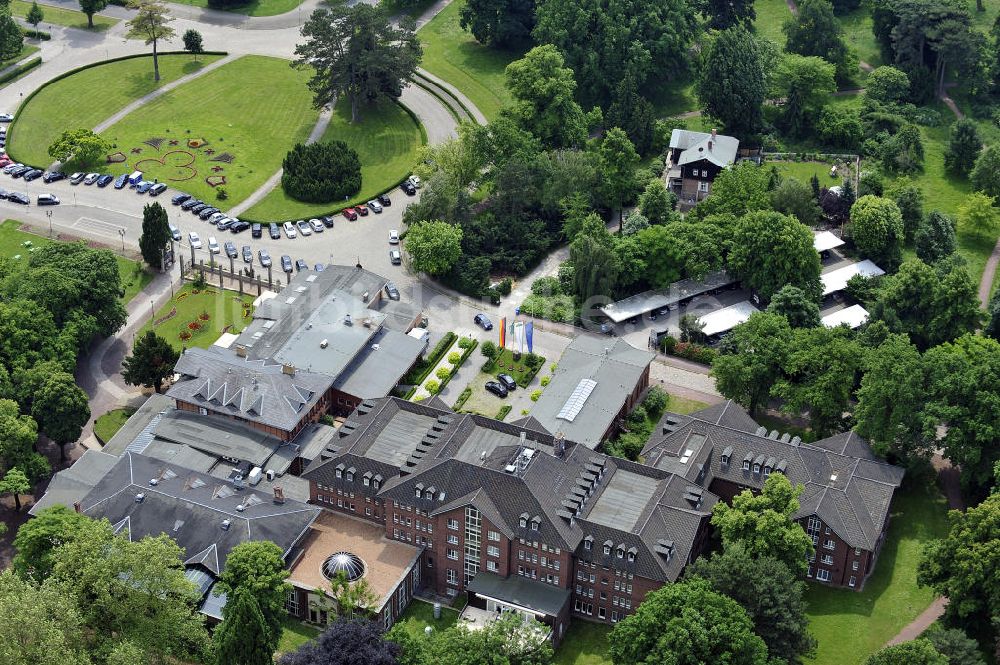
(194, 239)
(304, 227)
(317, 226)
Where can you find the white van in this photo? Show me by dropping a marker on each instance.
(135, 178)
(213, 245)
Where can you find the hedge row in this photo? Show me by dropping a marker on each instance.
(20, 69)
(37, 34)
(424, 366)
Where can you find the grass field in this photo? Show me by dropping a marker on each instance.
(387, 141)
(87, 98)
(107, 425)
(683, 405)
(584, 644)
(294, 634)
(771, 15)
(850, 625)
(253, 109)
(455, 56)
(253, 7)
(12, 240)
(65, 17)
(26, 50)
(858, 33)
(225, 311)
(420, 614)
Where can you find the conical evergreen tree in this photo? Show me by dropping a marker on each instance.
(242, 637)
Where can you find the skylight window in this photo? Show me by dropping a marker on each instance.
(571, 409)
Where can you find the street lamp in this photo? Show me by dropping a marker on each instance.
(48, 213)
(121, 232)
(152, 311)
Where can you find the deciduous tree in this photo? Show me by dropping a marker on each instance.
(816, 31)
(877, 230)
(887, 85)
(770, 593)
(39, 625)
(499, 23)
(15, 483)
(257, 568)
(151, 24)
(751, 358)
(434, 246)
(657, 203)
(806, 83)
(686, 623)
(794, 197)
(734, 80)
(595, 267)
(357, 53)
(633, 113)
(725, 14)
(38, 538)
(346, 642)
(18, 435)
(978, 216)
(79, 146)
(763, 523)
(61, 409)
(993, 311)
(543, 90)
(963, 147)
(91, 7)
(916, 652)
(35, 16)
(954, 644)
(11, 36)
(985, 175)
(193, 42)
(770, 250)
(797, 306)
(909, 199)
(618, 159)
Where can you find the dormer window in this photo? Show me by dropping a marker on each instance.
(588, 544)
(375, 484)
(523, 521)
(429, 494)
(620, 552)
(746, 465)
(367, 481)
(607, 547)
(631, 557)
(767, 471)
(340, 470)
(756, 468)
(418, 492)
(350, 476)
(534, 523)
(725, 460)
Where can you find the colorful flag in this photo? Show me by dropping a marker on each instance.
(529, 329)
(503, 332)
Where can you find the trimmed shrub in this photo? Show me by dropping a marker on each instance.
(455, 357)
(19, 70)
(535, 394)
(465, 342)
(442, 373)
(504, 410)
(546, 380)
(321, 172)
(432, 387)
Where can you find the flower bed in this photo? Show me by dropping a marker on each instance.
(163, 319)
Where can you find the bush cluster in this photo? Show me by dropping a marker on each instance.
(321, 172)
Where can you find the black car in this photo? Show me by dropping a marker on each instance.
(33, 174)
(20, 171)
(53, 176)
(121, 181)
(507, 381)
(327, 221)
(384, 200)
(230, 250)
(180, 198)
(198, 208)
(155, 190)
(274, 231)
(207, 212)
(483, 321)
(496, 388)
(247, 254)
(19, 197)
(256, 230)
(286, 263)
(239, 227)
(408, 188)
(301, 265)
(106, 180)
(391, 291)
(4, 193)
(190, 203)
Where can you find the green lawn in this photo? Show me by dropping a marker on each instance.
(253, 110)
(295, 633)
(674, 97)
(107, 426)
(518, 369)
(683, 405)
(858, 33)
(225, 309)
(771, 15)
(12, 244)
(87, 98)
(454, 55)
(253, 7)
(65, 17)
(387, 141)
(851, 625)
(585, 644)
(26, 50)
(420, 614)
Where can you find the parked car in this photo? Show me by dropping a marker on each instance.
(319, 267)
(361, 210)
(107, 179)
(301, 265)
(155, 190)
(10, 167)
(48, 200)
(317, 226)
(239, 226)
(274, 231)
(199, 207)
(264, 258)
(483, 321)
(327, 222)
(408, 188)
(395, 258)
(33, 174)
(216, 217)
(53, 176)
(384, 200)
(6, 117)
(289, 230)
(144, 187)
(19, 197)
(190, 203)
(224, 223)
(4, 193)
(496, 388)
(20, 171)
(194, 239)
(178, 199)
(175, 232)
(507, 381)
(205, 212)
(391, 291)
(247, 254)
(304, 227)
(230, 249)
(415, 181)
(286, 263)
(349, 214)
(256, 230)
(91, 178)
(393, 237)
(375, 206)
(122, 180)
(213, 245)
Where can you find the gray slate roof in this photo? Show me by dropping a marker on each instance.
(254, 390)
(846, 486)
(72, 484)
(457, 460)
(521, 591)
(615, 365)
(191, 507)
(695, 147)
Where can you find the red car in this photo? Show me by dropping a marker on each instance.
(361, 210)
(349, 214)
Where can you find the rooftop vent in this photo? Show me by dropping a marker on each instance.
(226, 523)
(325, 343)
(139, 497)
(833, 478)
(510, 468)
(347, 320)
(761, 431)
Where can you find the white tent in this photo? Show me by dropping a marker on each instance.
(824, 240)
(727, 318)
(854, 316)
(836, 280)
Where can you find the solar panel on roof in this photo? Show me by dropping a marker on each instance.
(571, 409)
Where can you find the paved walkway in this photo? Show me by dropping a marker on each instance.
(989, 274)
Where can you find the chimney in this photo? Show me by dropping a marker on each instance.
(241, 351)
(714, 134)
(279, 494)
(288, 369)
(77, 507)
(710, 145)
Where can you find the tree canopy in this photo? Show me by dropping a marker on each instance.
(37, 539)
(916, 652)
(750, 360)
(79, 147)
(734, 79)
(257, 569)
(346, 642)
(152, 361)
(155, 235)
(770, 250)
(544, 104)
(434, 246)
(499, 23)
(877, 229)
